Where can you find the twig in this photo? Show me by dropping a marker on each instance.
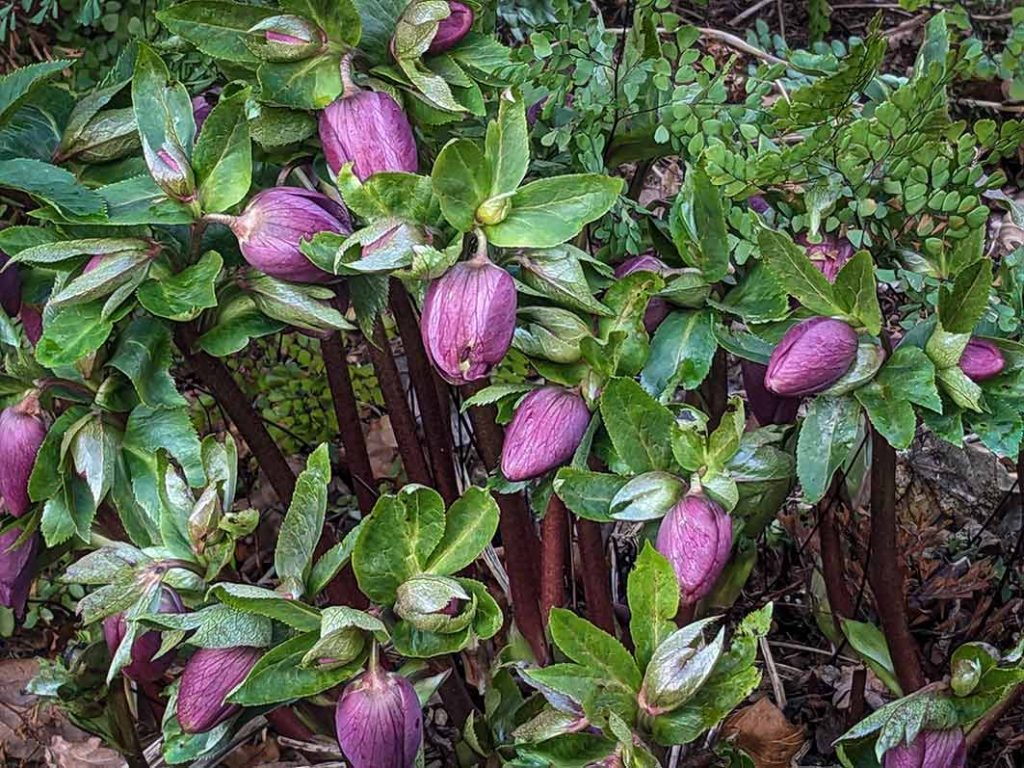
(884, 572)
(740, 45)
(749, 12)
(995, 106)
(769, 662)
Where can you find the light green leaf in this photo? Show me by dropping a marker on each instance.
(303, 523)
(470, 525)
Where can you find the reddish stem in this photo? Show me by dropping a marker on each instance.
(596, 575)
(884, 572)
(715, 389)
(832, 560)
(402, 422)
(435, 411)
(554, 538)
(518, 535)
(346, 409)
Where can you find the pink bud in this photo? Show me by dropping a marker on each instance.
(982, 360)
(16, 570)
(545, 432)
(812, 356)
(142, 667)
(829, 256)
(209, 676)
(277, 220)
(21, 433)
(469, 316)
(378, 721)
(452, 29)
(931, 749)
(696, 537)
(758, 204)
(768, 408)
(370, 130)
(657, 309)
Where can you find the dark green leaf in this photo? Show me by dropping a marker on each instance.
(827, 437)
(653, 593)
(462, 180)
(469, 527)
(143, 354)
(681, 353)
(182, 297)
(640, 428)
(223, 155)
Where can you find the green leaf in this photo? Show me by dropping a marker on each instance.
(16, 85)
(238, 321)
(653, 593)
(827, 437)
(71, 333)
(961, 307)
(248, 598)
(470, 525)
(303, 306)
(182, 297)
(307, 84)
(379, 18)
(52, 185)
(792, 269)
(682, 350)
(507, 145)
(222, 158)
(558, 274)
(217, 28)
(757, 299)
(338, 18)
(594, 649)
(218, 626)
(163, 108)
(169, 429)
(303, 523)
(47, 471)
(143, 354)
(462, 180)
(869, 643)
(647, 497)
(960, 388)
(331, 562)
(697, 224)
(137, 200)
(588, 494)
(94, 450)
(548, 212)
(397, 540)
(640, 428)
(857, 293)
(907, 377)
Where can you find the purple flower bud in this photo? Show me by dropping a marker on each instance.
(277, 220)
(696, 537)
(544, 433)
(534, 110)
(452, 29)
(209, 676)
(982, 360)
(32, 322)
(469, 316)
(21, 433)
(171, 170)
(657, 309)
(203, 104)
(379, 722)
(370, 130)
(10, 287)
(16, 570)
(812, 356)
(768, 408)
(758, 204)
(143, 667)
(931, 749)
(829, 255)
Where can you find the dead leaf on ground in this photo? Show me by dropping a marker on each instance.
(763, 732)
(84, 754)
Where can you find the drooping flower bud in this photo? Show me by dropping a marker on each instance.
(767, 407)
(696, 537)
(10, 287)
(171, 170)
(378, 721)
(812, 356)
(369, 130)
(17, 566)
(545, 432)
(982, 360)
(931, 749)
(469, 316)
(829, 256)
(758, 204)
(203, 104)
(657, 309)
(452, 29)
(209, 676)
(143, 667)
(22, 430)
(435, 604)
(678, 668)
(31, 322)
(277, 220)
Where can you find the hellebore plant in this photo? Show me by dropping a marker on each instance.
(17, 569)
(143, 666)
(982, 360)
(812, 356)
(931, 749)
(210, 675)
(545, 432)
(22, 431)
(696, 537)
